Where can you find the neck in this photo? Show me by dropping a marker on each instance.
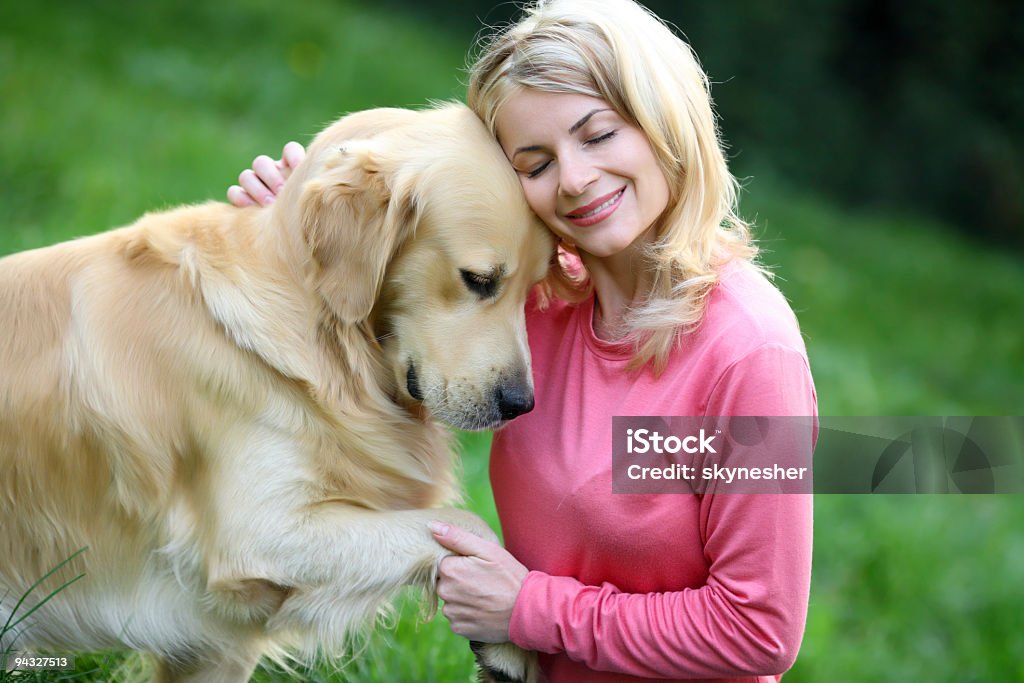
(621, 282)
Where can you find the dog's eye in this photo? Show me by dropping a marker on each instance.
(484, 286)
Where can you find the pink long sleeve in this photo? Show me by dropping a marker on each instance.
(747, 620)
(668, 586)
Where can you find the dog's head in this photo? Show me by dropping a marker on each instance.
(415, 221)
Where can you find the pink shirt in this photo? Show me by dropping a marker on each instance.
(624, 587)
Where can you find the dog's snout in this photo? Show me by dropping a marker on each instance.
(514, 400)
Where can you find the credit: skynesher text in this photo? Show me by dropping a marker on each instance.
(716, 472)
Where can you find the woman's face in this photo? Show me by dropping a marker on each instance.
(590, 175)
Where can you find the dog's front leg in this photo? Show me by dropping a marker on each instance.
(331, 570)
(387, 550)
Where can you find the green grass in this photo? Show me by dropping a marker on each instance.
(113, 109)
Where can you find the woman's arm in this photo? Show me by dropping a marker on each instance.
(747, 619)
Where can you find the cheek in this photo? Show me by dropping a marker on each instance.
(537, 198)
(659, 200)
(655, 190)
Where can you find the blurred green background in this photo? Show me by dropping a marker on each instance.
(881, 149)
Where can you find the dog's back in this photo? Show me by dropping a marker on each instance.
(94, 443)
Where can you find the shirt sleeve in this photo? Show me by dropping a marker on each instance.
(748, 618)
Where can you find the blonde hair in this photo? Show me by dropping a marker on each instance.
(618, 51)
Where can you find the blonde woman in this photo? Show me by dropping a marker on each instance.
(656, 308)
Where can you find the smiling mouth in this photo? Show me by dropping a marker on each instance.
(602, 203)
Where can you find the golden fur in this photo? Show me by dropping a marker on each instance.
(232, 409)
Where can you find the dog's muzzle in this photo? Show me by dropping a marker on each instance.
(508, 398)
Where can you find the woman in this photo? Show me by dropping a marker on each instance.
(657, 309)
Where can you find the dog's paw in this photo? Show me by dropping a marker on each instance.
(505, 663)
(468, 521)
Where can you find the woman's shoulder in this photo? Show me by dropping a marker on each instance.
(746, 311)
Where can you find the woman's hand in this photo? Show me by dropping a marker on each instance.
(479, 585)
(261, 183)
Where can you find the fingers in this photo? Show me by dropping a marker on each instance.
(260, 184)
(255, 188)
(457, 605)
(444, 577)
(291, 156)
(239, 197)
(460, 541)
(269, 173)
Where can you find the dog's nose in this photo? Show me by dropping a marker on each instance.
(514, 400)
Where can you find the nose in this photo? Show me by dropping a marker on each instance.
(514, 399)
(575, 175)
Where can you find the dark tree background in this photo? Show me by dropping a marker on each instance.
(916, 104)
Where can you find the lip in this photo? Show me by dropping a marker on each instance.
(576, 215)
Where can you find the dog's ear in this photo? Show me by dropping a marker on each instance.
(353, 221)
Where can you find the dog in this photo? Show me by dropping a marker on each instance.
(236, 412)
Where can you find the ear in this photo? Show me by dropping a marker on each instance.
(354, 221)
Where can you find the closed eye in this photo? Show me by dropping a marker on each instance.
(538, 169)
(484, 286)
(601, 138)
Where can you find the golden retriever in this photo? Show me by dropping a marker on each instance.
(234, 410)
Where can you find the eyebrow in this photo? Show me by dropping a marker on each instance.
(572, 129)
(583, 121)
